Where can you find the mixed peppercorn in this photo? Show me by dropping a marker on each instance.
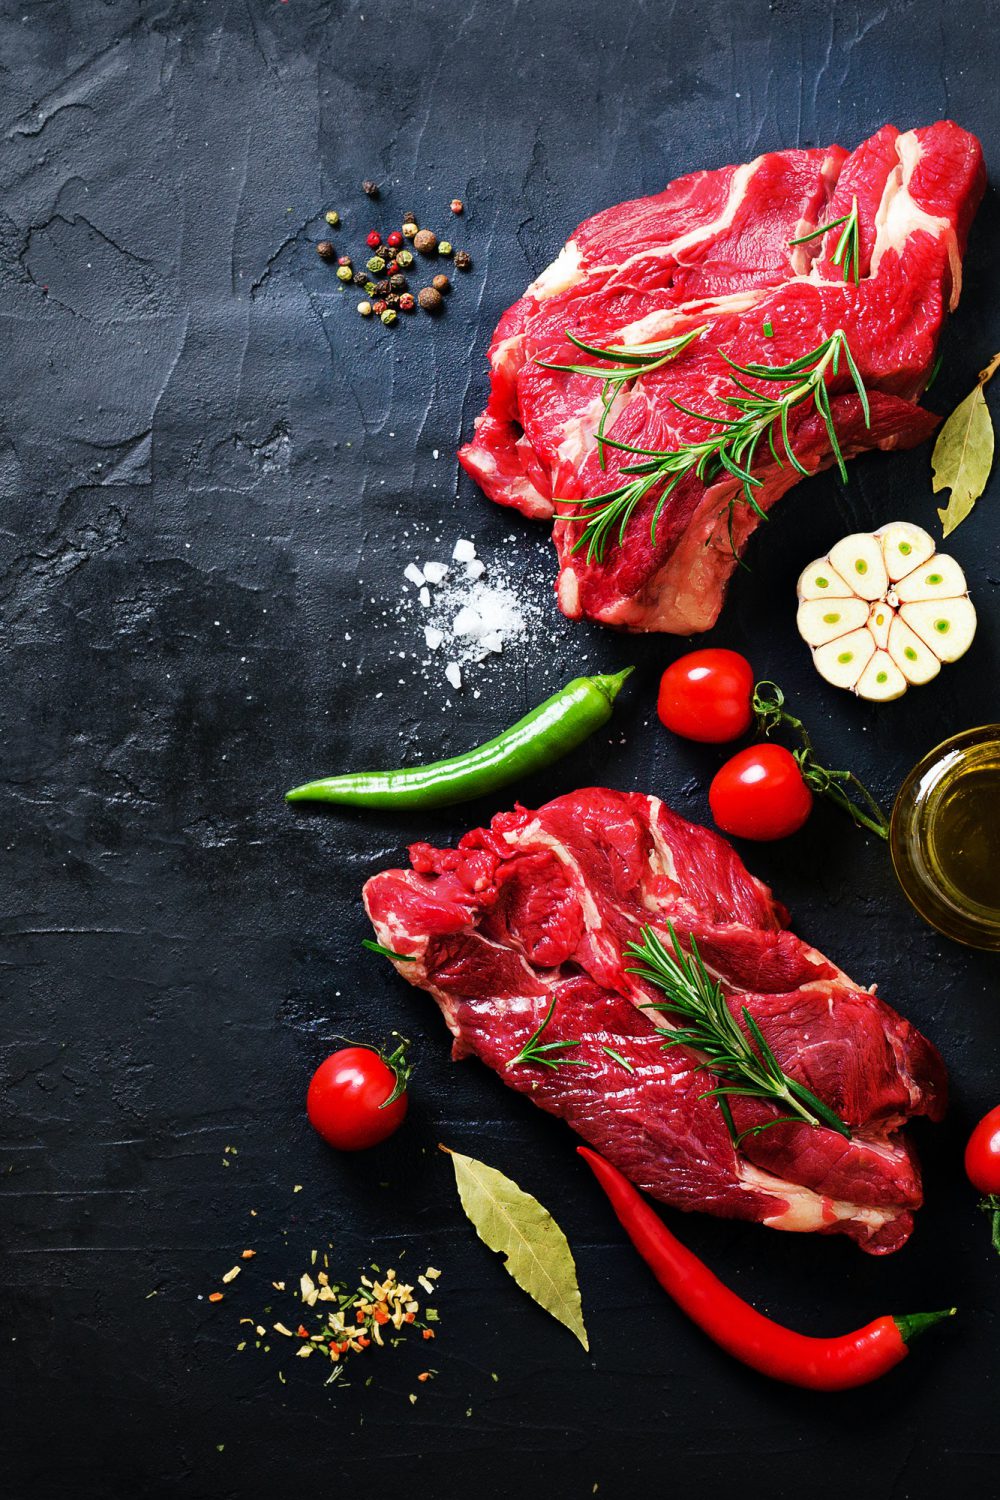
(384, 277)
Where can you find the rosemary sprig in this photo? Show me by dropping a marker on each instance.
(731, 448)
(745, 1066)
(629, 362)
(843, 788)
(536, 1051)
(847, 255)
(617, 1057)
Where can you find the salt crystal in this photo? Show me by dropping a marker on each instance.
(475, 569)
(433, 637)
(467, 622)
(453, 674)
(425, 597)
(435, 572)
(413, 573)
(464, 551)
(493, 641)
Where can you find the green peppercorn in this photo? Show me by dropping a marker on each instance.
(389, 317)
(365, 309)
(370, 288)
(404, 258)
(376, 265)
(444, 247)
(332, 218)
(344, 273)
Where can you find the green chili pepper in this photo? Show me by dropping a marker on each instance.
(550, 731)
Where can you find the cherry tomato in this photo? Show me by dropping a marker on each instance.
(760, 794)
(348, 1102)
(982, 1154)
(706, 696)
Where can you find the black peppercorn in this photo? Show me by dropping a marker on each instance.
(383, 288)
(398, 282)
(325, 250)
(361, 278)
(392, 301)
(370, 188)
(463, 260)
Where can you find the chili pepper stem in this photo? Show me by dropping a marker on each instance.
(912, 1325)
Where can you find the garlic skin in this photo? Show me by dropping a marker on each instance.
(884, 610)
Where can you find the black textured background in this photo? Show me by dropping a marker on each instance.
(209, 469)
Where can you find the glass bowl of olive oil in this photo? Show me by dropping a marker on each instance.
(945, 837)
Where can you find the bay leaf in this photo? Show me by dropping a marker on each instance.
(535, 1250)
(963, 454)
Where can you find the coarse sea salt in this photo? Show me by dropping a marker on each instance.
(470, 611)
(413, 574)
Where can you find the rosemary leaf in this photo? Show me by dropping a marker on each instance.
(744, 1065)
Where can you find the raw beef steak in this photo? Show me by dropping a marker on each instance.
(714, 249)
(538, 907)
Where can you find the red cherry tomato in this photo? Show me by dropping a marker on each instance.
(982, 1154)
(706, 696)
(760, 794)
(347, 1098)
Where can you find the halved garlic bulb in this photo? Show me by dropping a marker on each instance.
(884, 610)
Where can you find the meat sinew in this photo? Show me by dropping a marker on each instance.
(538, 908)
(714, 251)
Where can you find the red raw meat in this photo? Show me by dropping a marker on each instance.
(714, 248)
(539, 906)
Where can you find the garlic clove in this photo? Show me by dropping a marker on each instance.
(820, 581)
(858, 559)
(880, 618)
(947, 626)
(842, 661)
(915, 660)
(822, 620)
(938, 578)
(905, 547)
(881, 680)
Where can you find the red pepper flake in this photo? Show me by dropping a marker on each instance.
(409, 1317)
(428, 1333)
(302, 1331)
(424, 1375)
(247, 1254)
(215, 1296)
(380, 1315)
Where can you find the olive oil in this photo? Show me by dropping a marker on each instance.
(945, 837)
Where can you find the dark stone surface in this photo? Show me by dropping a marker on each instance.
(209, 469)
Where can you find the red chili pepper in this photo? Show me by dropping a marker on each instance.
(834, 1364)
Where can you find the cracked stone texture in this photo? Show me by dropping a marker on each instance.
(212, 475)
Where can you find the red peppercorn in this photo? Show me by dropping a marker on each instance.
(407, 302)
(373, 240)
(394, 240)
(392, 268)
(378, 307)
(343, 260)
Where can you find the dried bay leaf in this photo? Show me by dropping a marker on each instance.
(963, 454)
(535, 1250)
